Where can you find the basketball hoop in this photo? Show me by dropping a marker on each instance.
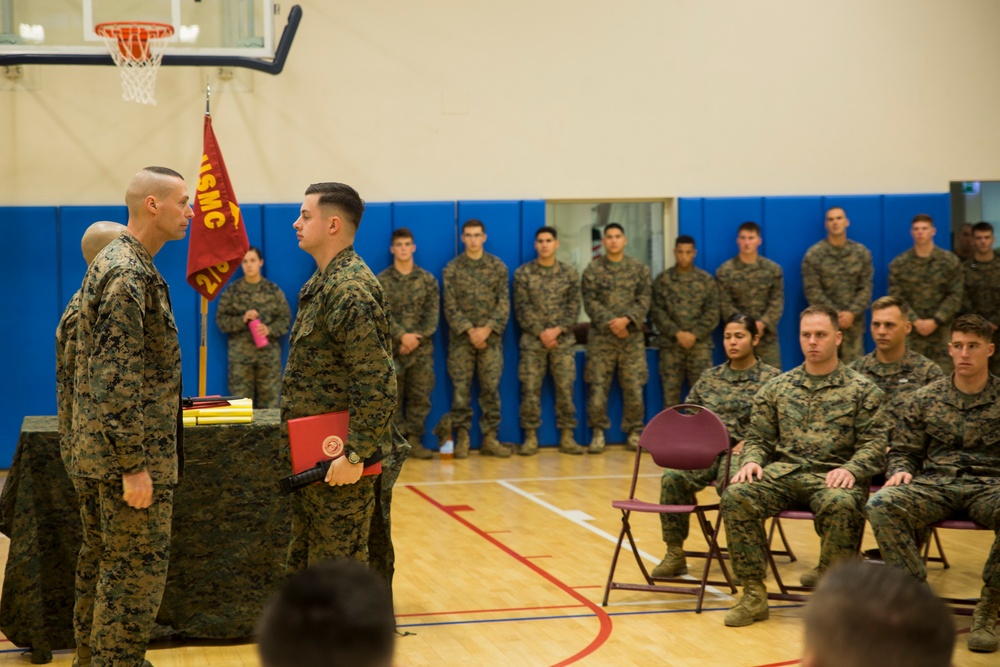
(137, 49)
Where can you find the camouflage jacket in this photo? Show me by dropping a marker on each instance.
(340, 354)
(546, 297)
(899, 379)
(729, 394)
(757, 290)
(65, 374)
(128, 369)
(266, 298)
(932, 286)
(476, 294)
(946, 435)
(685, 302)
(616, 289)
(414, 306)
(982, 289)
(838, 277)
(816, 424)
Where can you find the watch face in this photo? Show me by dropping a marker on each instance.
(353, 457)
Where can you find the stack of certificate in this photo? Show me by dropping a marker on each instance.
(212, 410)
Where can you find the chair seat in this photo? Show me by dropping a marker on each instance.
(636, 505)
(802, 515)
(959, 524)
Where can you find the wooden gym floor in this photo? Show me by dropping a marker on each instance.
(503, 562)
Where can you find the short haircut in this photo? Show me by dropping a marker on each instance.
(977, 325)
(255, 249)
(547, 230)
(473, 222)
(884, 302)
(865, 615)
(336, 614)
(982, 226)
(613, 225)
(835, 208)
(749, 323)
(401, 233)
(749, 226)
(342, 197)
(922, 217)
(684, 239)
(149, 181)
(820, 309)
(164, 171)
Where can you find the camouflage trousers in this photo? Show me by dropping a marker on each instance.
(605, 354)
(898, 512)
(121, 571)
(680, 487)
(256, 373)
(853, 345)
(381, 555)
(535, 360)
(414, 384)
(464, 362)
(769, 349)
(677, 365)
(934, 347)
(840, 517)
(331, 522)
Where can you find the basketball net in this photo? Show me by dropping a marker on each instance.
(137, 50)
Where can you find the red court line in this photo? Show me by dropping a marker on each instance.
(489, 611)
(602, 616)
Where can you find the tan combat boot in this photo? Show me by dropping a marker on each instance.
(462, 443)
(417, 449)
(83, 656)
(751, 607)
(673, 564)
(632, 443)
(530, 446)
(811, 578)
(983, 634)
(567, 443)
(597, 442)
(492, 447)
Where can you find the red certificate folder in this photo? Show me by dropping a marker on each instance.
(320, 438)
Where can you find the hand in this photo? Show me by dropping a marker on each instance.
(264, 330)
(747, 473)
(845, 319)
(686, 339)
(839, 478)
(899, 479)
(761, 327)
(409, 342)
(343, 472)
(250, 315)
(738, 448)
(550, 337)
(478, 336)
(619, 326)
(137, 490)
(925, 327)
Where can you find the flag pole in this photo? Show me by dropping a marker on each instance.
(203, 347)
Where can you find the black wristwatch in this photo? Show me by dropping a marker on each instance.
(352, 456)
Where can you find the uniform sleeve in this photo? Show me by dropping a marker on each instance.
(870, 435)
(863, 288)
(952, 302)
(429, 318)
(229, 314)
(909, 439)
(457, 320)
(281, 318)
(501, 287)
(592, 303)
(658, 309)
(708, 318)
(643, 295)
(762, 435)
(811, 284)
(570, 311)
(896, 269)
(527, 317)
(726, 307)
(775, 299)
(66, 369)
(967, 307)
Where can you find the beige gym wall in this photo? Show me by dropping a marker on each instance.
(464, 99)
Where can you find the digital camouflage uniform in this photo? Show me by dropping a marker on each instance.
(842, 279)
(476, 294)
(125, 420)
(65, 374)
(254, 372)
(546, 297)
(729, 394)
(414, 305)
(381, 554)
(684, 301)
(610, 290)
(981, 296)
(801, 428)
(757, 290)
(340, 358)
(899, 379)
(932, 286)
(950, 443)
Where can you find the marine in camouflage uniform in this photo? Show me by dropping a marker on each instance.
(254, 372)
(684, 301)
(841, 277)
(547, 297)
(125, 421)
(933, 288)
(476, 294)
(611, 290)
(415, 305)
(899, 379)
(381, 554)
(981, 296)
(65, 375)
(758, 290)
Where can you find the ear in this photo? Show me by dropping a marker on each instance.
(334, 225)
(150, 204)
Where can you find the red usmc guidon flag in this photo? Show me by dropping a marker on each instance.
(218, 238)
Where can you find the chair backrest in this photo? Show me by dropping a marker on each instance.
(685, 441)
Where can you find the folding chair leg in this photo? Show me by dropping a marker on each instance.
(940, 558)
(776, 524)
(614, 559)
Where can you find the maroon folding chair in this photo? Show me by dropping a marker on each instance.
(957, 521)
(683, 442)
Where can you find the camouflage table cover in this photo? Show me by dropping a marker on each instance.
(230, 534)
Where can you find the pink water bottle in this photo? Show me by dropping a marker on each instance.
(259, 339)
